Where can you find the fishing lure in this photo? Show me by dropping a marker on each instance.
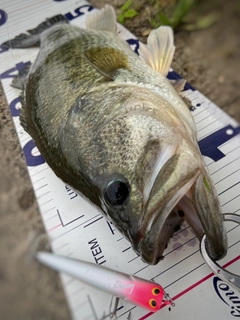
(146, 294)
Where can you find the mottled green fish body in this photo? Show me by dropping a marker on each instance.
(112, 126)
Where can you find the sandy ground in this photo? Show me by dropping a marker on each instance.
(208, 59)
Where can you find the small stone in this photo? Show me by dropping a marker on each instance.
(221, 79)
(146, 32)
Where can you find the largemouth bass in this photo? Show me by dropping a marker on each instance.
(111, 125)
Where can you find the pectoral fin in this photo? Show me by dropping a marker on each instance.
(107, 60)
(159, 51)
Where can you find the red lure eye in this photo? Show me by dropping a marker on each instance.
(156, 291)
(153, 303)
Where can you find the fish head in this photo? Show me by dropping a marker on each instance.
(142, 168)
(142, 203)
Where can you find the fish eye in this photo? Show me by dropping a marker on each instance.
(153, 303)
(116, 193)
(155, 291)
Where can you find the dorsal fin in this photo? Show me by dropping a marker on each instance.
(32, 39)
(104, 19)
(107, 60)
(159, 51)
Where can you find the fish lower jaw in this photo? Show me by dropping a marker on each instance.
(151, 252)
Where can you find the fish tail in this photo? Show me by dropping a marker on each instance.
(104, 19)
(32, 39)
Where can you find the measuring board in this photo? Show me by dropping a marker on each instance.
(77, 229)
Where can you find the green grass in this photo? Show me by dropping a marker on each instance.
(181, 17)
(126, 12)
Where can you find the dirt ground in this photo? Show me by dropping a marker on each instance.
(209, 59)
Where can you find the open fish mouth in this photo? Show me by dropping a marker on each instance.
(171, 179)
(161, 224)
(181, 190)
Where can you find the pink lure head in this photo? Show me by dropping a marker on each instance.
(146, 294)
